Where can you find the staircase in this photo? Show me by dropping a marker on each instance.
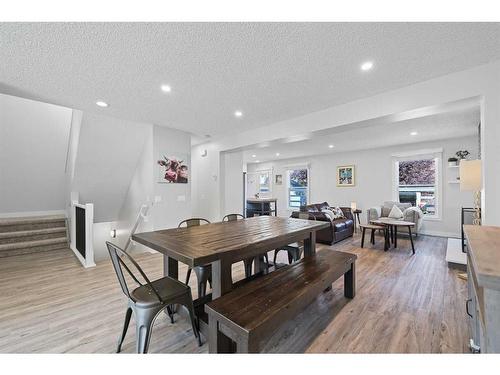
(27, 235)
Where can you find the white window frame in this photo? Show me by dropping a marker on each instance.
(287, 191)
(437, 155)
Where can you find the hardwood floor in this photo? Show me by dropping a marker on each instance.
(404, 304)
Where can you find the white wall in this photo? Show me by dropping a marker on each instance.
(169, 203)
(232, 183)
(206, 191)
(108, 151)
(33, 147)
(482, 82)
(374, 181)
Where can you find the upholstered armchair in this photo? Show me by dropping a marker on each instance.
(412, 215)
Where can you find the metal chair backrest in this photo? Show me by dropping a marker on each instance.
(306, 216)
(233, 217)
(119, 265)
(193, 222)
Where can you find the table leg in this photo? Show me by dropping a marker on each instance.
(411, 240)
(221, 278)
(395, 236)
(350, 282)
(363, 230)
(386, 238)
(310, 244)
(170, 268)
(221, 284)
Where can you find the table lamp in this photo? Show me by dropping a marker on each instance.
(470, 180)
(353, 206)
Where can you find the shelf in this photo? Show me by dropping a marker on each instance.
(453, 166)
(453, 182)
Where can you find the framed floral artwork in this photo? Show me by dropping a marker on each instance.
(345, 176)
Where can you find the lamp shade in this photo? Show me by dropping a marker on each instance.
(470, 175)
(353, 206)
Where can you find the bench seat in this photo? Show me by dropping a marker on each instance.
(252, 313)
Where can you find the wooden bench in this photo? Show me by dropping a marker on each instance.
(251, 314)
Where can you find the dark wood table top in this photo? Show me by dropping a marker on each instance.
(235, 240)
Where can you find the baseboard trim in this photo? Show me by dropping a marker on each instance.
(32, 213)
(440, 234)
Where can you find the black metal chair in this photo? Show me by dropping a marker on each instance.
(295, 250)
(148, 300)
(247, 262)
(203, 273)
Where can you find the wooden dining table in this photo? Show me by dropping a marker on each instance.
(224, 243)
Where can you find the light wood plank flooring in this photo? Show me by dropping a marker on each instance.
(404, 304)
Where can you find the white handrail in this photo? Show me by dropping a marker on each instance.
(142, 215)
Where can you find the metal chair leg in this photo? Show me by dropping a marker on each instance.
(248, 267)
(188, 275)
(170, 314)
(276, 251)
(188, 302)
(128, 314)
(144, 323)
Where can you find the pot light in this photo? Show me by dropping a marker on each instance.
(257, 161)
(330, 146)
(166, 88)
(254, 156)
(238, 113)
(102, 104)
(277, 154)
(413, 133)
(366, 66)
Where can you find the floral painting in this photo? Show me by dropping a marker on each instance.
(172, 170)
(345, 175)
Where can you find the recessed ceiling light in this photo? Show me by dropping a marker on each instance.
(366, 66)
(413, 133)
(101, 104)
(257, 161)
(277, 154)
(238, 113)
(330, 146)
(254, 156)
(166, 88)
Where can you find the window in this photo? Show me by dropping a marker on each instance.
(298, 188)
(418, 183)
(264, 182)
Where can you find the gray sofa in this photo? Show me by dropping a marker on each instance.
(374, 213)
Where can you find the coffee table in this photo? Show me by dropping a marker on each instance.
(391, 231)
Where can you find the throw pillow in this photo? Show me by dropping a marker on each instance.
(337, 212)
(328, 213)
(396, 213)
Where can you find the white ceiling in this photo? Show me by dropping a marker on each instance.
(270, 71)
(373, 134)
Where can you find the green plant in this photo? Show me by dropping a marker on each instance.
(462, 154)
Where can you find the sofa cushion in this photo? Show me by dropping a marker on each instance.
(348, 223)
(395, 213)
(338, 224)
(387, 207)
(311, 208)
(322, 206)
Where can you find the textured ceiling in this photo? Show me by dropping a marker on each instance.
(371, 134)
(270, 71)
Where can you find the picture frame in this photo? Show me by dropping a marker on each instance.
(346, 176)
(172, 169)
(278, 179)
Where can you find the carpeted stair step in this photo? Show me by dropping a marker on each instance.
(10, 225)
(27, 247)
(32, 235)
